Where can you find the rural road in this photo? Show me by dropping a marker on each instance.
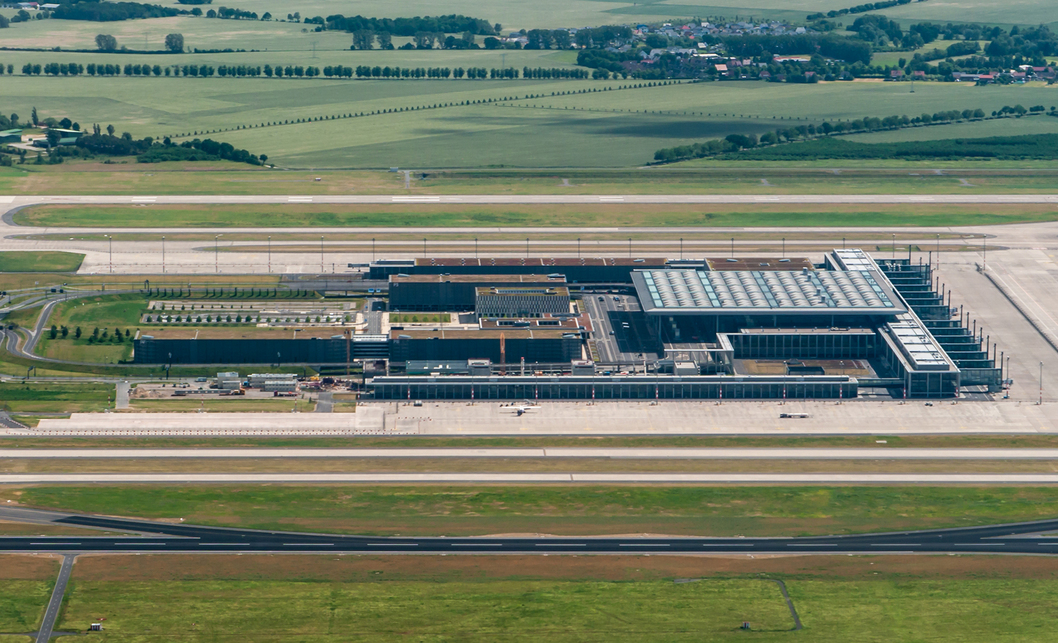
(531, 478)
(560, 452)
(1021, 538)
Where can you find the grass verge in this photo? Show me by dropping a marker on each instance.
(40, 261)
(603, 215)
(476, 510)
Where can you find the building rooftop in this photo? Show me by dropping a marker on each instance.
(494, 334)
(515, 291)
(477, 279)
(741, 292)
(543, 262)
(761, 264)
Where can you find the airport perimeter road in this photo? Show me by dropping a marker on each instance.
(535, 478)
(1021, 538)
(547, 452)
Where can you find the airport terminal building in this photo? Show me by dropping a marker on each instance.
(651, 329)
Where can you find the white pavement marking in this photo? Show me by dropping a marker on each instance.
(613, 453)
(7, 199)
(299, 199)
(543, 478)
(416, 199)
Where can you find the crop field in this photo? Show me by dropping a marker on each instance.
(479, 510)
(792, 101)
(768, 215)
(978, 129)
(40, 261)
(617, 128)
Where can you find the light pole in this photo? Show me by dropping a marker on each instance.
(894, 245)
(784, 247)
(681, 248)
(527, 247)
(269, 254)
(372, 250)
(110, 251)
(216, 254)
(1041, 384)
(475, 248)
(321, 254)
(163, 254)
(732, 247)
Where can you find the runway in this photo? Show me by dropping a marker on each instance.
(1020, 538)
(535, 478)
(547, 452)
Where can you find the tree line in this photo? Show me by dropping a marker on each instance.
(112, 11)
(295, 71)
(408, 26)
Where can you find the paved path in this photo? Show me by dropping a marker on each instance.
(533, 478)
(880, 453)
(121, 395)
(48, 625)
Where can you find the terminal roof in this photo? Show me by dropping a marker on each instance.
(820, 292)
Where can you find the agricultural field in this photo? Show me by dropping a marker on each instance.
(579, 126)
(978, 129)
(597, 510)
(40, 261)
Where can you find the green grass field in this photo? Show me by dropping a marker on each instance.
(22, 604)
(939, 599)
(540, 216)
(67, 397)
(40, 261)
(383, 611)
(480, 510)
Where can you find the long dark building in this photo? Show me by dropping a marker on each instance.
(585, 270)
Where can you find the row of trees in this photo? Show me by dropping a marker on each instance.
(113, 11)
(408, 26)
(295, 71)
(737, 142)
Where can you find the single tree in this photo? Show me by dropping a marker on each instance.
(174, 42)
(363, 39)
(65, 332)
(77, 333)
(110, 130)
(34, 116)
(106, 42)
(54, 332)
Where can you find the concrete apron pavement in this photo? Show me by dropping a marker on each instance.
(859, 417)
